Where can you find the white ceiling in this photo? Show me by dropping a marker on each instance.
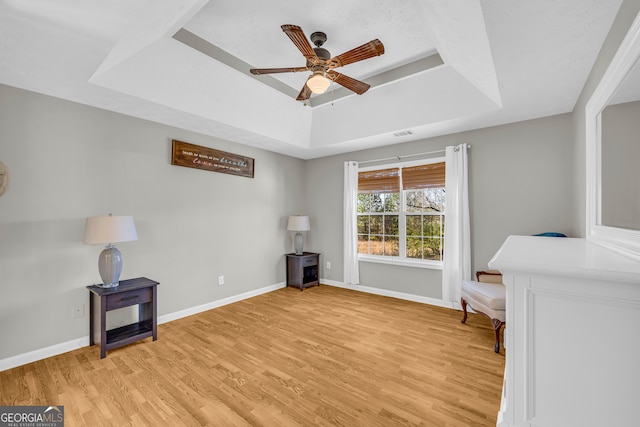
(501, 61)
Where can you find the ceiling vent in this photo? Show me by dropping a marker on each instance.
(404, 133)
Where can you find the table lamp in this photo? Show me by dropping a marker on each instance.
(109, 230)
(298, 223)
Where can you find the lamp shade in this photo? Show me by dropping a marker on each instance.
(298, 223)
(318, 83)
(109, 229)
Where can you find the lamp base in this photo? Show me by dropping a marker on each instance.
(298, 242)
(107, 285)
(110, 266)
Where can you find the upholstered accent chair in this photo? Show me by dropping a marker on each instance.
(486, 295)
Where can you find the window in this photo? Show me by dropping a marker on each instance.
(401, 212)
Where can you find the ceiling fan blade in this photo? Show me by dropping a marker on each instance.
(298, 38)
(259, 71)
(350, 83)
(305, 93)
(366, 51)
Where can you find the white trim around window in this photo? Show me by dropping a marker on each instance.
(407, 262)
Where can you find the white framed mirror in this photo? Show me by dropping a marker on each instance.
(613, 151)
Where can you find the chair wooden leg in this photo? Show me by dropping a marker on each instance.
(497, 325)
(464, 309)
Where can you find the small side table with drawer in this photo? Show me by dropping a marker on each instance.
(302, 270)
(140, 291)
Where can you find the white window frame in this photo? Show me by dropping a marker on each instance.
(393, 260)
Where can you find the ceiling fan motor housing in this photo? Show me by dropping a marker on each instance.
(322, 53)
(318, 38)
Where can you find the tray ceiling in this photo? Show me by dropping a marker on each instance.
(447, 67)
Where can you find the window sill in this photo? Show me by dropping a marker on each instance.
(434, 265)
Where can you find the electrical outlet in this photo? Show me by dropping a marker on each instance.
(220, 280)
(78, 311)
(328, 265)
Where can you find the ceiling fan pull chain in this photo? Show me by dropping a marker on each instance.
(333, 93)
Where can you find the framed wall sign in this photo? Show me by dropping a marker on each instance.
(198, 157)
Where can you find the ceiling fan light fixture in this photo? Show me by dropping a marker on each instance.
(318, 83)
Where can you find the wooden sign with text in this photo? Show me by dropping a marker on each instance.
(195, 156)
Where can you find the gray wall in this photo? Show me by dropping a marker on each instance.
(520, 183)
(620, 172)
(69, 161)
(625, 17)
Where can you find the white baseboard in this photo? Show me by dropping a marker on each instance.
(393, 294)
(54, 350)
(43, 353)
(218, 303)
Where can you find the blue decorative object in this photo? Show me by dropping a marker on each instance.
(551, 234)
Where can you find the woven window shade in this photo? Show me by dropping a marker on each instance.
(423, 176)
(379, 181)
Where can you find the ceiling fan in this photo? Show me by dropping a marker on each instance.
(321, 64)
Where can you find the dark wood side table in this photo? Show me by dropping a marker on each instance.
(140, 291)
(302, 270)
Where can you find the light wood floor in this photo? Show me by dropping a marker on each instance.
(322, 357)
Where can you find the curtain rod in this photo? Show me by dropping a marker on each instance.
(406, 155)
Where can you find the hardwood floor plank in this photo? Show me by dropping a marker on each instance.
(323, 357)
